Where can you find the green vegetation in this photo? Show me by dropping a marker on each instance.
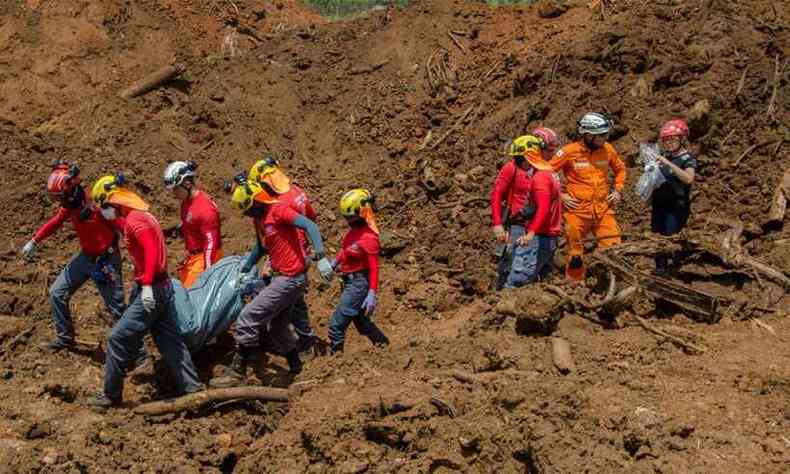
(344, 8)
(337, 9)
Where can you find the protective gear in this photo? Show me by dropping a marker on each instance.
(594, 124)
(536, 160)
(177, 171)
(236, 373)
(369, 305)
(109, 213)
(524, 143)
(267, 171)
(294, 362)
(29, 249)
(550, 139)
(674, 128)
(359, 202)
(63, 179)
(325, 269)
(109, 190)
(247, 192)
(577, 226)
(147, 297)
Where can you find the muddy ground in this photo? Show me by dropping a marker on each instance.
(352, 104)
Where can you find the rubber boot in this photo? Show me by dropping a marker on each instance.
(236, 373)
(575, 269)
(294, 362)
(58, 345)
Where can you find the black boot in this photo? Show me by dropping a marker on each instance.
(294, 362)
(58, 345)
(236, 373)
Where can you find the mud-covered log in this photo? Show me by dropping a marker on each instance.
(196, 400)
(697, 303)
(152, 81)
(561, 355)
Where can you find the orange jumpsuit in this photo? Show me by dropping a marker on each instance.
(586, 179)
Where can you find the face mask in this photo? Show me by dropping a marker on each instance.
(109, 213)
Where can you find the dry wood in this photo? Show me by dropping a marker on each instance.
(741, 82)
(196, 400)
(561, 355)
(453, 127)
(152, 81)
(468, 377)
(766, 326)
(751, 149)
(733, 254)
(779, 68)
(369, 68)
(687, 346)
(17, 339)
(457, 43)
(693, 301)
(779, 202)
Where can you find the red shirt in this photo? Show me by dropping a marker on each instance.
(277, 232)
(360, 251)
(146, 245)
(512, 185)
(200, 225)
(546, 196)
(299, 202)
(95, 233)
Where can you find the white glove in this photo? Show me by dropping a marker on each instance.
(147, 295)
(29, 249)
(325, 269)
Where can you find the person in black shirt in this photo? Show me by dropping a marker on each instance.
(671, 202)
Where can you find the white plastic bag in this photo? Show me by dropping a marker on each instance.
(651, 177)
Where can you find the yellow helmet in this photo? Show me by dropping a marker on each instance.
(110, 190)
(354, 200)
(524, 143)
(244, 195)
(265, 166)
(104, 187)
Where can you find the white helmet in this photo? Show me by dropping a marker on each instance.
(177, 171)
(594, 124)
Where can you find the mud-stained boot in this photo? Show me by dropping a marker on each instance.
(294, 362)
(235, 374)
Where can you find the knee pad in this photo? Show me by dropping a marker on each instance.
(576, 262)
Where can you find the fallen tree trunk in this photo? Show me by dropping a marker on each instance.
(196, 400)
(686, 346)
(733, 254)
(695, 302)
(152, 81)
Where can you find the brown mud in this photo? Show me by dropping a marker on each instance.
(351, 104)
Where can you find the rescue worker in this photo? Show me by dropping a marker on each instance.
(200, 221)
(151, 305)
(671, 202)
(589, 204)
(532, 234)
(358, 261)
(268, 173)
(99, 258)
(276, 225)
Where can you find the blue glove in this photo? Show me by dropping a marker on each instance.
(369, 305)
(325, 269)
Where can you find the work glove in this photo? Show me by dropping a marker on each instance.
(369, 305)
(147, 295)
(325, 269)
(29, 249)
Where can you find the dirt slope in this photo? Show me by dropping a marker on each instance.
(351, 104)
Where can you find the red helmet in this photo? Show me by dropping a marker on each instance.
(674, 128)
(549, 137)
(63, 179)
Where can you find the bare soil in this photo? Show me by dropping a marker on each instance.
(350, 104)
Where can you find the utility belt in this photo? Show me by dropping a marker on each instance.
(347, 278)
